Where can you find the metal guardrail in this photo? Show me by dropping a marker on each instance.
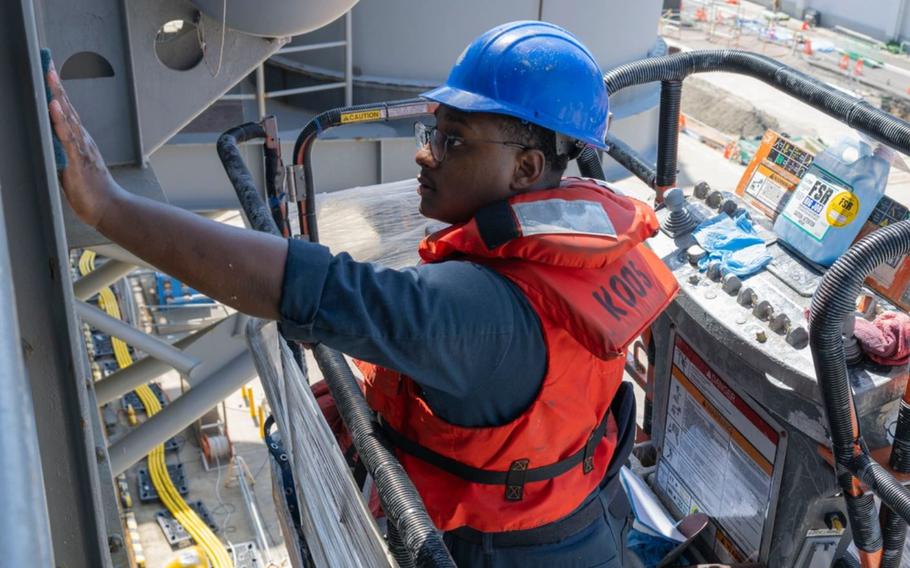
(262, 95)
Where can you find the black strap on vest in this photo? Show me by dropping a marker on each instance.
(623, 409)
(518, 474)
(496, 224)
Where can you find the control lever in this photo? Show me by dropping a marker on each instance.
(680, 220)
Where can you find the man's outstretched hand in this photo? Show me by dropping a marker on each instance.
(86, 181)
(241, 268)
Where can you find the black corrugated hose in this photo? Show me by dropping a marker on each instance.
(400, 501)
(628, 158)
(894, 536)
(852, 110)
(833, 302)
(894, 529)
(668, 134)
(589, 164)
(257, 213)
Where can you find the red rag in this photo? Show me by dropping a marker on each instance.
(887, 339)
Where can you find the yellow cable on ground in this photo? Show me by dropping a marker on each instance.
(197, 529)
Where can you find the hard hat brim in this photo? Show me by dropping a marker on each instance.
(467, 101)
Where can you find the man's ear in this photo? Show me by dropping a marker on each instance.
(530, 169)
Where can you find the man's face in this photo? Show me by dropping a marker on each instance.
(473, 173)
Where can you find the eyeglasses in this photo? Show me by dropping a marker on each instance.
(440, 142)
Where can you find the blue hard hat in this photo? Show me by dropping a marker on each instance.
(534, 71)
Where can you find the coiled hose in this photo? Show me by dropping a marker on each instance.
(240, 177)
(400, 500)
(421, 541)
(833, 302)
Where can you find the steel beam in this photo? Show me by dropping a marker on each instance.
(214, 346)
(75, 471)
(102, 277)
(155, 347)
(141, 372)
(181, 413)
(25, 531)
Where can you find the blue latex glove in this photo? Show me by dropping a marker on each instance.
(734, 242)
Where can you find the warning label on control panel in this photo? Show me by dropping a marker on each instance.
(717, 457)
(769, 191)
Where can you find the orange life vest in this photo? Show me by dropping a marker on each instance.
(577, 253)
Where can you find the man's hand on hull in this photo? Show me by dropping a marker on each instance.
(86, 181)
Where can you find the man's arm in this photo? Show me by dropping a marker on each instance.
(241, 268)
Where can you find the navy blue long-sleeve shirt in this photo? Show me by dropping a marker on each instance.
(465, 334)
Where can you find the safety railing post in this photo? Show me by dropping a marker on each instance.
(260, 90)
(348, 61)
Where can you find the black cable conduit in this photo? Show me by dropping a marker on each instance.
(833, 302)
(627, 157)
(589, 164)
(853, 111)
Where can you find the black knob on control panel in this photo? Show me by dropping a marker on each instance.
(798, 337)
(729, 206)
(714, 199)
(732, 284)
(747, 297)
(763, 310)
(780, 323)
(714, 272)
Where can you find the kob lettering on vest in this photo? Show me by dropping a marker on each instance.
(629, 285)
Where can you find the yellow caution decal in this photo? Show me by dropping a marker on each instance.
(362, 115)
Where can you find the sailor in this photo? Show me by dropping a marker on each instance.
(496, 364)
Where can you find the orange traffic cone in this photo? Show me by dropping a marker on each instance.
(682, 122)
(844, 62)
(858, 69)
